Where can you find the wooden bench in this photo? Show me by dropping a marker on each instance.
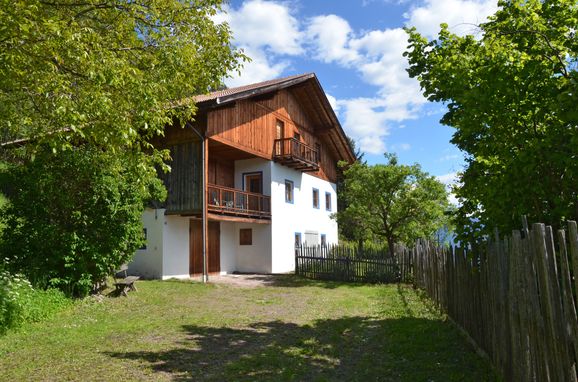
(124, 283)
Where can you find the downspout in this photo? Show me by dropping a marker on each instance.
(204, 203)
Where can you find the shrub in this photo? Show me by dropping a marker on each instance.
(14, 292)
(75, 216)
(20, 303)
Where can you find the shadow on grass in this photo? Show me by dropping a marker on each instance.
(345, 349)
(295, 281)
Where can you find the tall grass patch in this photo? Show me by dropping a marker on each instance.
(21, 303)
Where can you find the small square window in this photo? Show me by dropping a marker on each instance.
(328, 201)
(323, 240)
(246, 236)
(315, 198)
(288, 191)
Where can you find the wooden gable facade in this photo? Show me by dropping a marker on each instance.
(290, 123)
(252, 125)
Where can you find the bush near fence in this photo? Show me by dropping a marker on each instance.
(349, 263)
(515, 296)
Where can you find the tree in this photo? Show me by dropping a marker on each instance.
(395, 202)
(349, 230)
(114, 72)
(89, 83)
(511, 96)
(75, 216)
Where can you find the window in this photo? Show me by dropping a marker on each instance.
(297, 136)
(246, 236)
(328, 201)
(279, 134)
(323, 240)
(297, 239)
(288, 191)
(253, 182)
(315, 198)
(280, 129)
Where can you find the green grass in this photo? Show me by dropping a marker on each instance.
(293, 330)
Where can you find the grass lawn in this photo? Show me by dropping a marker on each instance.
(293, 330)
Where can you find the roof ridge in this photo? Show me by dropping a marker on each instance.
(240, 89)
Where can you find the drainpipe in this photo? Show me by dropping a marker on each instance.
(204, 203)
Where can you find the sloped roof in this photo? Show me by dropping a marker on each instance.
(315, 96)
(252, 89)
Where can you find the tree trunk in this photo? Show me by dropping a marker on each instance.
(391, 245)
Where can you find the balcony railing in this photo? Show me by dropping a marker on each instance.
(296, 154)
(230, 201)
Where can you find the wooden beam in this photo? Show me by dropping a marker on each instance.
(240, 147)
(324, 130)
(205, 208)
(237, 219)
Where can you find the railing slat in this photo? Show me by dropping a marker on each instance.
(227, 200)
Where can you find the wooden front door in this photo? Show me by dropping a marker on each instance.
(196, 247)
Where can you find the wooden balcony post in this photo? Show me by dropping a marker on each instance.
(205, 209)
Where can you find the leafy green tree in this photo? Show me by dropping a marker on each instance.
(88, 83)
(394, 202)
(511, 96)
(350, 230)
(74, 216)
(114, 72)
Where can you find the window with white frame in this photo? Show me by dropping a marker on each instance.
(315, 198)
(328, 201)
(288, 191)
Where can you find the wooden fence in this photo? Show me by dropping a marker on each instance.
(516, 297)
(347, 263)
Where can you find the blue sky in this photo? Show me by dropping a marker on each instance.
(355, 47)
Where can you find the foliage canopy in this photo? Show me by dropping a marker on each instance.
(398, 203)
(75, 216)
(88, 83)
(113, 72)
(511, 96)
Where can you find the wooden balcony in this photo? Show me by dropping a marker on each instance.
(295, 154)
(232, 202)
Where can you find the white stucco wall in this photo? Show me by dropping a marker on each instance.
(250, 166)
(272, 251)
(255, 257)
(147, 263)
(176, 247)
(229, 239)
(299, 217)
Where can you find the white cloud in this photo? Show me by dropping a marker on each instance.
(462, 16)
(268, 33)
(378, 57)
(448, 179)
(272, 36)
(365, 119)
(329, 36)
(266, 24)
(259, 69)
(372, 144)
(333, 102)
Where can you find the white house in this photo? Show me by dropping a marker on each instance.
(253, 175)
